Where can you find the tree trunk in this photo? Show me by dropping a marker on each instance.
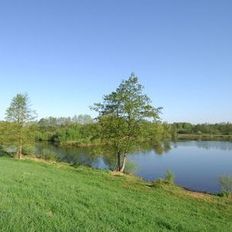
(20, 151)
(118, 161)
(20, 148)
(122, 168)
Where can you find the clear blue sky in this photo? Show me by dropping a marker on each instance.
(67, 54)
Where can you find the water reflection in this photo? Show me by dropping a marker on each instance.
(196, 164)
(219, 145)
(97, 156)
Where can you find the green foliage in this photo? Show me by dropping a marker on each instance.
(169, 177)
(155, 132)
(3, 128)
(42, 197)
(28, 149)
(183, 127)
(121, 116)
(77, 130)
(201, 129)
(19, 110)
(18, 131)
(14, 134)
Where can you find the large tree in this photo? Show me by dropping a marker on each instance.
(121, 115)
(19, 115)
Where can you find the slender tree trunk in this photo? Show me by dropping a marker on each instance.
(122, 168)
(20, 151)
(118, 161)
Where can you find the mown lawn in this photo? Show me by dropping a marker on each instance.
(36, 196)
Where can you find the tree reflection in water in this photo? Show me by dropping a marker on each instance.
(98, 156)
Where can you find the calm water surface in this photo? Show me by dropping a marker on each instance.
(196, 164)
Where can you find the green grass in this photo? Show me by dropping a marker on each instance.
(36, 196)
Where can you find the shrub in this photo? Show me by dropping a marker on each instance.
(28, 150)
(169, 177)
(226, 185)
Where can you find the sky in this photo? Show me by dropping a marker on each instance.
(67, 54)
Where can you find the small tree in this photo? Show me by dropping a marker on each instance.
(121, 115)
(19, 114)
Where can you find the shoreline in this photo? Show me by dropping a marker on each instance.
(116, 173)
(204, 137)
(179, 137)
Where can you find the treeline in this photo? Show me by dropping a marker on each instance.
(199, 129)
(78, 130)
(83, 130)
(86, 131)
(58, 121)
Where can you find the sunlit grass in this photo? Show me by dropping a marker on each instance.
(36, 196)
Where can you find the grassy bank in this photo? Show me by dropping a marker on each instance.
(36, 196)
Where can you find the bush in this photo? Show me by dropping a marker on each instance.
(169, 177)
(226, 185)
(28, 150)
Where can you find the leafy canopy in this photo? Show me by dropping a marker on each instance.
(122, 112)
(19, 110)
(18, 131)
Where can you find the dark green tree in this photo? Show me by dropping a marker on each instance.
(121, 115)
(19, 115)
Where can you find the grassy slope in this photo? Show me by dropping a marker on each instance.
(44, 197)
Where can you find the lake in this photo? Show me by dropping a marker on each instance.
(197, 165)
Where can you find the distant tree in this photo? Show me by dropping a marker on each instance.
(121, 115)
(19, 114)
(82, 119)
(48, 122)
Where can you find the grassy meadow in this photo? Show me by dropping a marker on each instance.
(38, 196)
